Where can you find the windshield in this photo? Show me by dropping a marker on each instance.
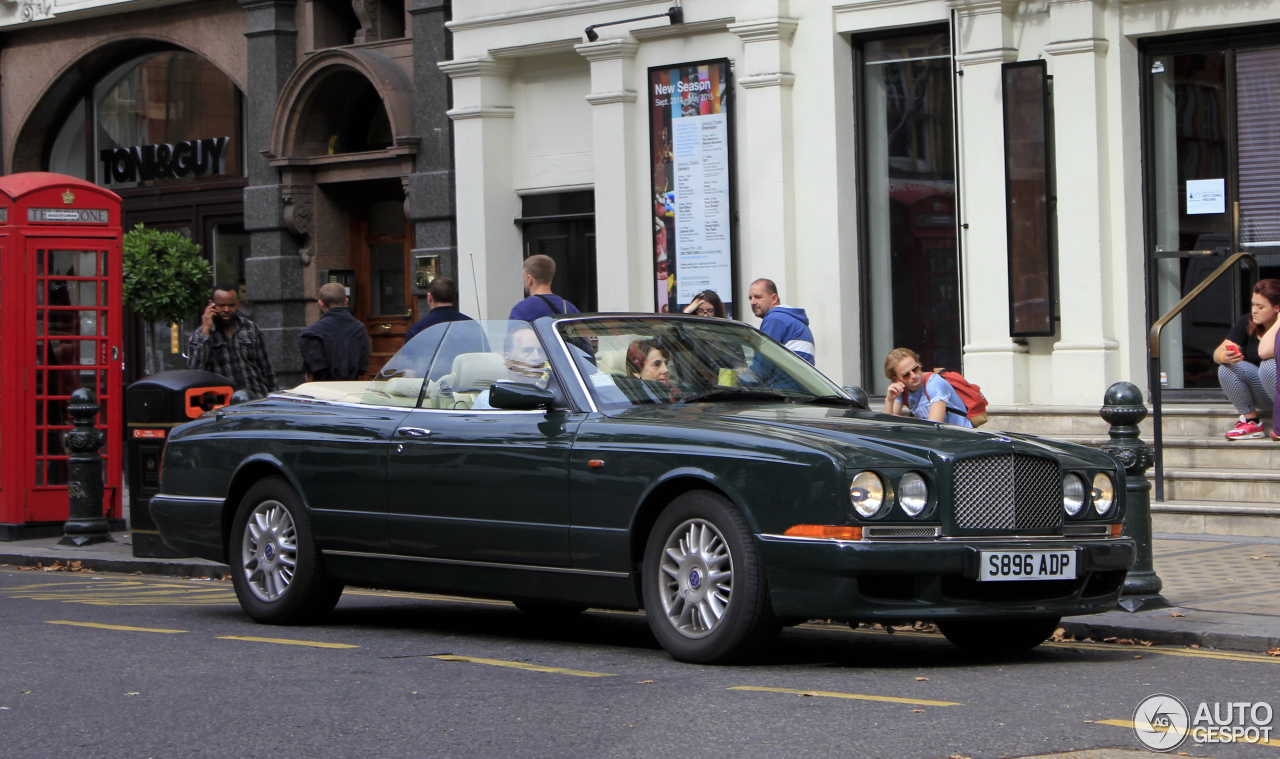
(633, 361)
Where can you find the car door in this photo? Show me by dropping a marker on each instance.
(467, 482)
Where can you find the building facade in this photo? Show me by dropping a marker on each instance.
(297, 142)
(1016, 187)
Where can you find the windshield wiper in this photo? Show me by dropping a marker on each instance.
(734, 394)
(839, 400)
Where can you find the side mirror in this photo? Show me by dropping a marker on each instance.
(858, 394)
(519, 396)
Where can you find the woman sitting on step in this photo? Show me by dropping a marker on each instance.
(1269, 348)
(1249, 378)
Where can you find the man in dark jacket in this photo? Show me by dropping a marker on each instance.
(337, 346)
(442, 294)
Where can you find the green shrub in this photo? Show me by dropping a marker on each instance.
(166, 279)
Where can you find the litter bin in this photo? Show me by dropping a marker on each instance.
(153, 406)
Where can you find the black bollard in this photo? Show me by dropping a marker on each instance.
(1123, 409)
(86, 524)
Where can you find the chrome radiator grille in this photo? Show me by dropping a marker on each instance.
(1009, 492)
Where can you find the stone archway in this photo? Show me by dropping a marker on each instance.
(344, 116)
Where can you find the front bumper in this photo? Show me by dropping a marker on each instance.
(895, 581)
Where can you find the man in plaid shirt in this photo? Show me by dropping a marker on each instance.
(231, 345)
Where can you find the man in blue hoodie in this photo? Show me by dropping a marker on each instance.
(787, 325)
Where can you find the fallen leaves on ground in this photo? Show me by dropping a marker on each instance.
(1273, 652)
(922, 679)
(1176, 614)
(57, 566)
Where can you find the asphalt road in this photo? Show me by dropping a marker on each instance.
(99, 665)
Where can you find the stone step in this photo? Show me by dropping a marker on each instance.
(1190, 420)
(1193, 452)
(1216, 518)
(1255, 486)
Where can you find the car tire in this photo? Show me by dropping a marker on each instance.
(999, 636)
(705, 594)
(543, 609)
(276, 568)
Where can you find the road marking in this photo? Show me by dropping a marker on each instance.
(1195, 653)
(100, 626)
(287, 642)
(1227, 739)
(858, 696)
(125, 593)
(522, 665)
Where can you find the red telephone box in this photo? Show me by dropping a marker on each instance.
(60, 329)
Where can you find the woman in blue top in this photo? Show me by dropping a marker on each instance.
(910, 395)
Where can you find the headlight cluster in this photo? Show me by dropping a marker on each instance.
(1102, 494)
(867, 493)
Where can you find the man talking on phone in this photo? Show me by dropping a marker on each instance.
(228, 344)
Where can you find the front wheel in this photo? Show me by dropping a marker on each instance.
(999, 636)
(276, 568)
(705, 595)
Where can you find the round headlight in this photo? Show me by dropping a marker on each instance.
(913, 494)
(867, 493)
(1072, 494)
(1104, 493)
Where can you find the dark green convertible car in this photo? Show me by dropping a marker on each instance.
(690, 467)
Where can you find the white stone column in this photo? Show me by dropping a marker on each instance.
(766, 181)
(1086, 358)
(991, 357)
(489, 254)
(624, 258)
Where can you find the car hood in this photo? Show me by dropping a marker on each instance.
(862, 437)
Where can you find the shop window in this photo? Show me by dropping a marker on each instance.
(69, 155)
(166, 117)
(909, 185)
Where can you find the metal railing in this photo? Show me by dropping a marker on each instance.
(1153, 349)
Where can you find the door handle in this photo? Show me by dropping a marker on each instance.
(414, 433)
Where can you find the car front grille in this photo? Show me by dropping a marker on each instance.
(1008, 492)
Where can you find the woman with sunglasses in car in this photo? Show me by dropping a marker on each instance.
(910, 394)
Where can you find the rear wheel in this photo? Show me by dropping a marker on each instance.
(999, 636)
(276, 569)
(705, 594)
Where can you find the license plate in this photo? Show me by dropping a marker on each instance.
(1027, 565)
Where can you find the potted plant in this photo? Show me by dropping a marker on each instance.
(166, 281)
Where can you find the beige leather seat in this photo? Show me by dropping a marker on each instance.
(472, 373)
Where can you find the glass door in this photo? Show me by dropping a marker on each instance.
(912, 259)
(1213, 158)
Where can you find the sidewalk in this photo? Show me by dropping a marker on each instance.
(1224, 591)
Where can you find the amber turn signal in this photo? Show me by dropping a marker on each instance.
(829, 531)
(1117, 530)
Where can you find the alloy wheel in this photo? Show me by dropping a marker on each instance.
(695, 578)
(269, 554)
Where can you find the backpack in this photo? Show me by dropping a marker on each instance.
(974, 401)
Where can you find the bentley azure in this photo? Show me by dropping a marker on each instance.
(690, 467)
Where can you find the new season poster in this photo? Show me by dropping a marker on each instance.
(692, 175)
